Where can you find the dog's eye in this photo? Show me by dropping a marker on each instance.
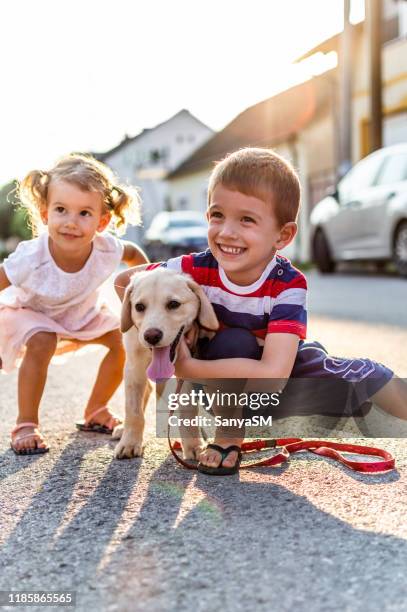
(140, 307)
(173, 304)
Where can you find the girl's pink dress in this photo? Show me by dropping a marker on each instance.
(42, 297)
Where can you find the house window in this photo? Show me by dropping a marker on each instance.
(390, 29)
(191, 138)
(180, 139)
(155, 156)
(393, 24)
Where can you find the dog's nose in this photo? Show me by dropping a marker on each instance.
(153, 336)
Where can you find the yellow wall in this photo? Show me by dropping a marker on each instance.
(394, 72)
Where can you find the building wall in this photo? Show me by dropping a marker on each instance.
(319, 139)
(189, 191)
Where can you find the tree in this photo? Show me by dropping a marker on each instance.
(13, 218)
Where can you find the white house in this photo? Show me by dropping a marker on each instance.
(145, 160)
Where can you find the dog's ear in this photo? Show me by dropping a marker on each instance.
(206, 316)
(126, 320)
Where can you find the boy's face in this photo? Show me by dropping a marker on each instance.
(243, 234)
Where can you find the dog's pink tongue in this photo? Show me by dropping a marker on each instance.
(160, 366)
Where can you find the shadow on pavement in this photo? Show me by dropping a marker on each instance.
(200, 542)
(11, 464)
(59, 554)
(249, 545)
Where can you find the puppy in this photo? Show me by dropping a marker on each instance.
(159, 307)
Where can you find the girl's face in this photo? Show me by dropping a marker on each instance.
(73, 216)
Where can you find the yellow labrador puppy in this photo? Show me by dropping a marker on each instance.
(159, 307)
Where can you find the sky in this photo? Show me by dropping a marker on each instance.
(78, 75)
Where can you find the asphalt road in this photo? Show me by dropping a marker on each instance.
(359, 296)
(146, 534)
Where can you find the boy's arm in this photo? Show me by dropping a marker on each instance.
(137, 261)
(4, 281)
(280, 350)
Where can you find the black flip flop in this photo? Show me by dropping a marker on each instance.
(95, 427)
(38, 450)
(221, 470)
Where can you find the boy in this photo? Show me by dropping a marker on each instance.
(259, 297)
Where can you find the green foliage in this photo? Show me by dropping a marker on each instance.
(13, 219)
(19, 224)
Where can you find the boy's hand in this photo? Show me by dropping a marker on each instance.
(183, 358)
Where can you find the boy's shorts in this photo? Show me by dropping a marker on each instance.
(319, 383)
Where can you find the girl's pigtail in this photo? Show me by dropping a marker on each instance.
(124, 204)
(32, 193)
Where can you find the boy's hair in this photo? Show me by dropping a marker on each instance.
(88, 174)
(263, 174)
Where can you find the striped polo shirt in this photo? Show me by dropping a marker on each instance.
(274, 303)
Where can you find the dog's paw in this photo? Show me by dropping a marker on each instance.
(192, 449)
(118, 432)
(128, 447)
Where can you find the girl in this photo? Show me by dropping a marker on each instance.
(49, 287)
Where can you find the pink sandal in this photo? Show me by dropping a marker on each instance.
(38, 450)
(106, 428)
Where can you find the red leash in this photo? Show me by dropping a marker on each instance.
(288, 446)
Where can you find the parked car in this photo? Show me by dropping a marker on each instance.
(366, 218)
(176, 233)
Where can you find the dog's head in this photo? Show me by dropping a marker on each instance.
(163, 305)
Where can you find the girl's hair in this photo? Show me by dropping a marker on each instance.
(84, 171)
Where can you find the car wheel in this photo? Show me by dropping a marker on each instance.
(400, 249)
(322, 253)
(381, 265)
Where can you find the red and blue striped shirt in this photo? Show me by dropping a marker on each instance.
(275, 303)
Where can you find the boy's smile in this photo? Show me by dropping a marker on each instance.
(243, 234)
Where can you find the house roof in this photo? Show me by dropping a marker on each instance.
(267, 123)
(330, 44)
(129, 139)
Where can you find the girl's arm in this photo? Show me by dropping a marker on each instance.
(277, 362)
(133, 255)
(4, 281)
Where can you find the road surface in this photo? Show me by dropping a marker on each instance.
(147, 535)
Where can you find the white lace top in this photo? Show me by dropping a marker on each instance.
(70, 299)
